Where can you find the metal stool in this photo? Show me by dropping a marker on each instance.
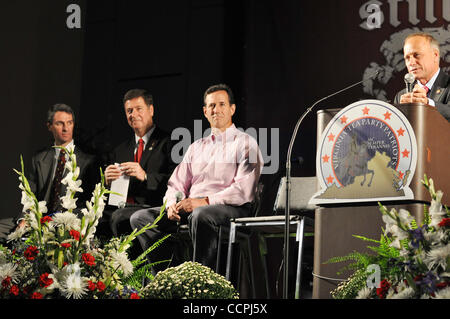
(303, 189)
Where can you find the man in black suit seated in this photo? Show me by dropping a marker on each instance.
(422, 55)
(148, 163)
(43, 177)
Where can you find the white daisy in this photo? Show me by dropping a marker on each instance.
(8, 270)
(443, 293)
(437, 257)
(120, 260)
(406, 293)
(364, 293)
(74, 286)
(66, 219)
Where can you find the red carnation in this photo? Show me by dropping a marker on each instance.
(445, 222)
(66, 245)
(6, 282)
(442, 285)
(36, 295)
(88, 259)
(384, 287)
(45, 219)
(134, 296)
(91, 286)
(14, 290)
(31, 253)
(75, 234)
(44, 280)
(100, 286)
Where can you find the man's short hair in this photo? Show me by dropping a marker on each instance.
(135, 93)
(59, 107)
(431, 40)
(219, 87)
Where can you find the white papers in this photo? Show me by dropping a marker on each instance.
(119, 186)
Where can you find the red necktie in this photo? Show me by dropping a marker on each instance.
(137, 158)
(426, 89)
(140, 150)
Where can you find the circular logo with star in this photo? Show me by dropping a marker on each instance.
(367, 142)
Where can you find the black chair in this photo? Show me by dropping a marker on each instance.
(302, 189)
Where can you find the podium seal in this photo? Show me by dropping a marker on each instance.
(367, 152)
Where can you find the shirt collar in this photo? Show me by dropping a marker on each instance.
(219, 135)
(432, 80)
(146, 137)
(71, 145)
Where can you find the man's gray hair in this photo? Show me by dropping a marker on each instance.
(431, 40)
(60, 107)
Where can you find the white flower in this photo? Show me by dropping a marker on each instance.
(72, 185)
(405, 217)
(403, 292)
(17, 233)
(443, 293)
(120, 260)
(67, 202)
(66, 219)
(42, 207)
(437, 257)
(26, 201)
(434, 237)
(74, 286)
(364, 293)
(8, 270)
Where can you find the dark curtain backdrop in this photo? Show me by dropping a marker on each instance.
(279, 56)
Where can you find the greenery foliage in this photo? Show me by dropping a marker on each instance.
(413, 260)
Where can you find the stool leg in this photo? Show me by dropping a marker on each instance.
(300, 235)
(219, 249)
(231, 240)
(250, 261)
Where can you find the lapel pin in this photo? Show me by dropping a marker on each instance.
(438, 91)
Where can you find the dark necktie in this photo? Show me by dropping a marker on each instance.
(427, 90)
(54, 202)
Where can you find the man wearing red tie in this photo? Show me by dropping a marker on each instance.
(422, 55)
(145, 157)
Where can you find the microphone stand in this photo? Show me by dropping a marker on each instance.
(288, 183)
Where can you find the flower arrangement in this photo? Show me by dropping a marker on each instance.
(189, 280)
(413, 261)
(58, 256)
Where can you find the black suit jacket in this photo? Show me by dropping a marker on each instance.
(157, 163)
(440, 94)
(40, 175)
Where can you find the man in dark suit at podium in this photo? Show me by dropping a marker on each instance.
(422, 55)
(145, 157)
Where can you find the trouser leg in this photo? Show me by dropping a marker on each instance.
(204, 223)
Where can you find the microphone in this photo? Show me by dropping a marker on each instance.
(178, 196)
(409, 81)
(288, 178)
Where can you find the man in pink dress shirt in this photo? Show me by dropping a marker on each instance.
(215, 181)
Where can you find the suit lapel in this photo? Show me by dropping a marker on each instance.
(439, 87)
(46, 163)
(150, 147)
(45, 169)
